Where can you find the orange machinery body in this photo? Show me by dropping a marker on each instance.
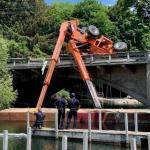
(78, 43)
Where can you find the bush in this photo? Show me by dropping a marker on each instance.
(7, 95)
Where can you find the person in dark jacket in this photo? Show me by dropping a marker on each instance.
(40, 116)
(73, 105)
(61, 104)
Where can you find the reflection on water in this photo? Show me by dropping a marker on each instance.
(13, 126)
(15, 144)
(39, 143)
(51, 144)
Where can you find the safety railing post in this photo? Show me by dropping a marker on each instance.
(109, 58)
(128, 56)
(92, 58)
(28, 119)
(126, 127)
(64, 142)
(148, 141)
(29, 138)
(89, 125)
(28, 61)
(59, 60)
(14, 63)
(56, 124)
(5, 140)
(100, 120)
(136, 121)
(85, 141)
(133, 144)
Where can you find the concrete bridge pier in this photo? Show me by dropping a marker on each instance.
(148, 83)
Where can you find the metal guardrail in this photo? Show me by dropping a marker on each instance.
(65, 60)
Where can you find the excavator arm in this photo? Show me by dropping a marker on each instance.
(54, 59)
(83, 72)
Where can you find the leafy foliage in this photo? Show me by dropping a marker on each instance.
(133, 21)
(92, 12)
(63, 93)
(7, 96)
(25, 22)
(33, 26)
(58, 13)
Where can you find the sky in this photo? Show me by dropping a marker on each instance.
(106, 2)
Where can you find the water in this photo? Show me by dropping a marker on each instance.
(44, 143)
(51, 144)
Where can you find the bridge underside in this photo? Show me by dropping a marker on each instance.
(110, 81)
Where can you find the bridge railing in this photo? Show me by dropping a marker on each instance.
(89, 58)
(130, 56)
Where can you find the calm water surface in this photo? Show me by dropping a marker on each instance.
(39, 143)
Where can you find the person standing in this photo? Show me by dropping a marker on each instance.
(73, 105)
(40, 116)
(61, 104)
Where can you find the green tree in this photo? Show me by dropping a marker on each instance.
(57, 13)
(7, 95)
(24, 22)
(92, 12)
(131, 18)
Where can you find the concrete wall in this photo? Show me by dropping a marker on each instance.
(148, 84)
(131, 79)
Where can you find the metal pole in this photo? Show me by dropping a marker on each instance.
(126, 126)
(92, 58)
(14, 63)
(148, 141)
(5, 140)
(28, 119)
(133, 144)
(29, 138)
(64, 142)
(136, 121)
(56, 124)
(89, 125)
(128, 56)
(100, 120)
(59, 60)
(85, 141)
(109, 58)
(28, 61)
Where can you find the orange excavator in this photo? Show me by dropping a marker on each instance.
(79, 41)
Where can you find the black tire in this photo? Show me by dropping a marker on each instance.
(120, 46)
(93, 31)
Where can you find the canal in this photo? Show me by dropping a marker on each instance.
(44, 143)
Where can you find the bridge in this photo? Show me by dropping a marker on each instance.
(90, 60)
(127, 72)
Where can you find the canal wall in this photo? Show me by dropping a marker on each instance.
(111, 118)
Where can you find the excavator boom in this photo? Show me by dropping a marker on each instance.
(54, 59)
